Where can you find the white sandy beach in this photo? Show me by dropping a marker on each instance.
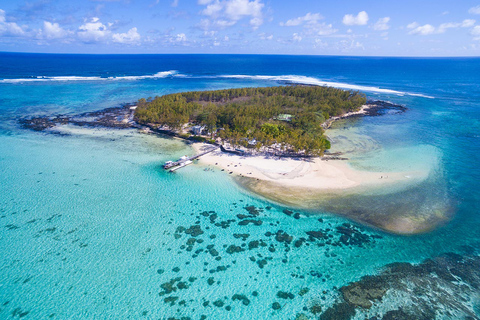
(313, 174)
(334, 186)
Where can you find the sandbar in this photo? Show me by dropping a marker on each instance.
(391, 201)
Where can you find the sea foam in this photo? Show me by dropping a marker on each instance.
(158, 75)
(319, 82)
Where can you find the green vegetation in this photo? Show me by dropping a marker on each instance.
(286, 119)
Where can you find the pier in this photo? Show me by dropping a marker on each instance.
(185, 161)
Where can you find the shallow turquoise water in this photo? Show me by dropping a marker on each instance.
(88, 221)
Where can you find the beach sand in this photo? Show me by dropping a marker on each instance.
(312, 173)
(386, 200)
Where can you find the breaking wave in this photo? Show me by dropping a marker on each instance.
(318, 82)
(157, 75)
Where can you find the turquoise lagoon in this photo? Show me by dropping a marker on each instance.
(91, 227)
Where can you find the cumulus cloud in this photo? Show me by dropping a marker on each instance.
(308, 18)
(9, 28)
(474, 10)
(428, 29)
(93, 31)
(181, 37)
(226, 13)
(130, 37)
(360, 19)
(53, 31)
(382, 24)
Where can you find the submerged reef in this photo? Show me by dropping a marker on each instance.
(446, 287)
(116, 117)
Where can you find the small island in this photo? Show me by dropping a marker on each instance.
(282, 121)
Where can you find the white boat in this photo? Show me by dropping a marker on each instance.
(167, 164)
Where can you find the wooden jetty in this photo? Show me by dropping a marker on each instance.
(185, 161)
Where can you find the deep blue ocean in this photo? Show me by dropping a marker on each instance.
(91, 227)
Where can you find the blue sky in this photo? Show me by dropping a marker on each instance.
(343, 27)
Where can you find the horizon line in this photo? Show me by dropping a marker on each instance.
(240, 54)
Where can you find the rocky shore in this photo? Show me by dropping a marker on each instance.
(372, 108)
(117, 117)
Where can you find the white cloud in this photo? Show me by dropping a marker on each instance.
(320, 44)
(467, 23)
(310, 21)
(422, 30)
(475, 33)
(296, 37)
(53, 30)
(256, 22)
(93, 31)
(210, 33)
(225, 23)
(264, 36)
(360, 20)
(347, 45)
(174, 3)
(237, 9)
(226, 13)
(412, 25)
(308, 18)
(130, 37)
(323, 29)
(428, 29)
(213, 10)
(382, 24)
(9, 28)
(474, 10)
(205, 25)
(181, 37)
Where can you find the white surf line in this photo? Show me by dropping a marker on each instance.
(158, 75)
(318, 82)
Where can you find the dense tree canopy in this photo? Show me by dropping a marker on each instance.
(251, 116)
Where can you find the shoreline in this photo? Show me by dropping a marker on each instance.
(385, 200)
(311, 173)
